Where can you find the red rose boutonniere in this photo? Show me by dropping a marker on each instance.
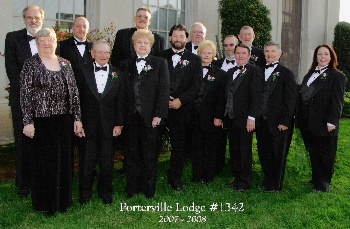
(184, 63)
(211, 78)
(323, 76)
(114, 75)
(275, 75)
(242, 71)
(65, 65)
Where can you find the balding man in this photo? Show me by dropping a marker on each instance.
(197, 35)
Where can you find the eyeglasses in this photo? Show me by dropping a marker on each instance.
(102, 52)
(197, 32)
(42, 40)
(226, 45)
(29, 18)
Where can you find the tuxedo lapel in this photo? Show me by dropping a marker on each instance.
(238, 80)
(74, 51)
(208, 83)
(90, 80)
(110, 81)
(272, 81)
(179, 69)
(25, 44)
(320, 82)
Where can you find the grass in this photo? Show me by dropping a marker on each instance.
(295, 207)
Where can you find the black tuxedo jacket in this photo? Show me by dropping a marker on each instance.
(153, 90)
(188, 46)
(326, 102)
(106, 108)
(17, 50)
(218, 63)
(282, 98)
(258, 57)
(247, 90)
(123, 48)
(212, 103)
(68, 50)
(184, 83)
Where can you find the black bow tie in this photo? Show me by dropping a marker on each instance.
(30, 37)
(235, 68)
(100, 68)
(179, 53)
(230, 61)
(139, 59)
(270, 65)
(80, 42)
(207, 67)
(319, 71)
(195, 47)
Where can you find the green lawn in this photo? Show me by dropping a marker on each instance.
(192, 207)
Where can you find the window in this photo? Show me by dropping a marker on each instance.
(165, 14)
(63, 12)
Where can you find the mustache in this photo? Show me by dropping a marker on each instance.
(34, 23)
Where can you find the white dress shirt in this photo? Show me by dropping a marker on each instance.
(81, 48)
(32, 44)
(101, 77)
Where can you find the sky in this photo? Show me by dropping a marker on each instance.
(344, 10)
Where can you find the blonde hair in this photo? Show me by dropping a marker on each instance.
(143, 33)
(207, 44)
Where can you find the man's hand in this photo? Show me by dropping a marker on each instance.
(117, 130)
(156, 121)
(29, 130)
(174, 103)
(250, 125)
(282, 127)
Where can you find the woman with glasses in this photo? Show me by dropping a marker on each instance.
(51, 112)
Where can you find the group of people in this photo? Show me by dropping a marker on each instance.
(76, 86)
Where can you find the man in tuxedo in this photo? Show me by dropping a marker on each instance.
(276, 121)
(148, 85)
(226, 63)
(19, 46)
(102, 110)
(197, 35)
(123, 47)
(77, 49)
(247, 36)
(243, 93)
(186, 71)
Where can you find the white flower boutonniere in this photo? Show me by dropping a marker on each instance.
(114, 75)
(211, 78)
(275, 75)
(254, 58)
(147, 68)
(184, 63)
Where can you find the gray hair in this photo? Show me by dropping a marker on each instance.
(46, 32)
(272, 43)
(101, 41)
(33, 6)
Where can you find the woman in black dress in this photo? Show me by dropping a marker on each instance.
(51, 110)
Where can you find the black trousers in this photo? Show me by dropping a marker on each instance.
(205, 152)
(240, 146)
(322, 150)
(142, 157)
(22, 149)
(272, 151)
(51, 183)
(98, 148)
(178, 133)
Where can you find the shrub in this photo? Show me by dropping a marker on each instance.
(235, 14)
(341, 45)
(346, 108)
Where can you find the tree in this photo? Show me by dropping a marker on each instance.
(235, 14)
(341, 45)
